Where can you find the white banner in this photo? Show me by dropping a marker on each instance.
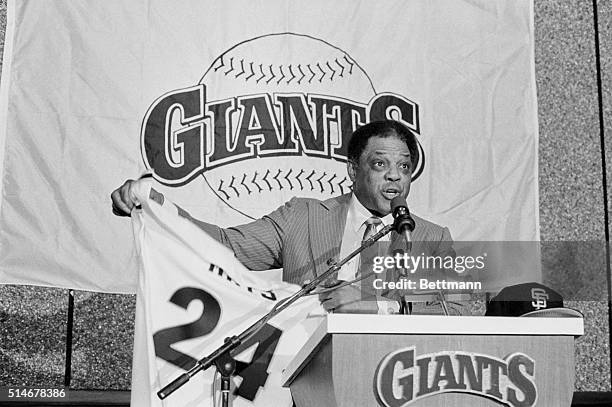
(192, 294)
(238, 106)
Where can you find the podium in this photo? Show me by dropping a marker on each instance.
(404, 360)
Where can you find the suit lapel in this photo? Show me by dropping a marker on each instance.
(326, 221)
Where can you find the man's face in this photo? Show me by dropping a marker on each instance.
(383, 172)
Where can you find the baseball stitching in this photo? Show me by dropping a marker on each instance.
(304, 180)
(283, 72)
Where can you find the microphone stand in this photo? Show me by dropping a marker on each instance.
(405, 224)
(221, 356)
(405, 306)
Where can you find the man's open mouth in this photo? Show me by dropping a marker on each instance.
(390, 193)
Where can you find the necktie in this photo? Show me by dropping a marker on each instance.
(367, 255)
(371, 225)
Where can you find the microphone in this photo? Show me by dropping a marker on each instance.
(403, 224)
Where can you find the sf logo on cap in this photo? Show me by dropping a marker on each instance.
(539, 298)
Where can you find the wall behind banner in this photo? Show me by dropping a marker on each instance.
(574, 191)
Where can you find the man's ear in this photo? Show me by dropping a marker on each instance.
(351, 168)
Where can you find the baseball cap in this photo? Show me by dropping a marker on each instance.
(529, 300)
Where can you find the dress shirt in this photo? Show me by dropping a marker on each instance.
(351, 239)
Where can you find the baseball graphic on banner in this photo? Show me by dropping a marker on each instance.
(269, 120)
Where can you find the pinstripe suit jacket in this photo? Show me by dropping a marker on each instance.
(304, 234)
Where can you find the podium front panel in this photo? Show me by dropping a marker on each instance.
(478, 363)
(403, 370)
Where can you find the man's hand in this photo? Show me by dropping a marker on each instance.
(348, 300)
(124, 199)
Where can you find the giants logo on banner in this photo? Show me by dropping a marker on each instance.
(403, 378)
(270, 118)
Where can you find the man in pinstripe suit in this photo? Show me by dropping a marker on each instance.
(305, 236)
